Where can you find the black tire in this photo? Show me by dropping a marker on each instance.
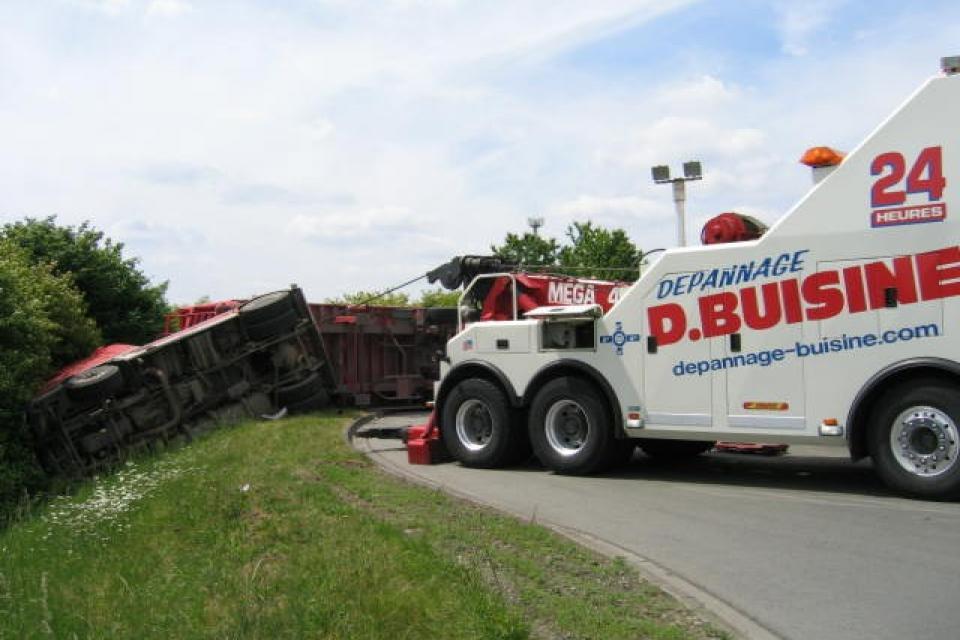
(920, 418)
(674, 449)
(95, 385)
(313, 403)
(477, 425)
(266, 307)
(300, 390)
(571, 429)
(95, 442)
(273, 327)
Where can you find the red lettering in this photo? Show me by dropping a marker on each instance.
(718, 314)
(668, 323)
(879, 278)
(853, 283)
(771, 306)
(939, 273)
(882, 192)
(792, 310)
(820, 290)
(928, 276)
(929, 163)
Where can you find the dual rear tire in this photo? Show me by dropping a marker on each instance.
(569, 427)
(478, 426)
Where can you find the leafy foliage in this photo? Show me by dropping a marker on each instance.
(395, 299)
(438, 298)
(428, 298)
(528, 249)
(42, 327)
(596, 252)
(591, 252)
(120, 298)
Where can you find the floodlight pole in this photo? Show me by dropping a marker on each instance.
(680, 204)
(535, 223)
(691, 171)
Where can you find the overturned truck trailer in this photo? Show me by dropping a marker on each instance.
(255, 359)
(384, 355)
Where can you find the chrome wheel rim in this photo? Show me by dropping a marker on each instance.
(924, 441)
(474, 425)
(566, 427)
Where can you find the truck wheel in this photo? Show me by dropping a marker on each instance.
(266, 307)
(571, 429)
(96, 384)
(476, 425)
(95, 442)
(674, 449)
(300, 390)
(914, 439)
(272, 327)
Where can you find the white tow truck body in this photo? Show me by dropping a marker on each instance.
(804, 335)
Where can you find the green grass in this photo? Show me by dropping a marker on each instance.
(280, 530)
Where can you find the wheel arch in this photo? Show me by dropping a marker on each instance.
(577, 368)
(475, 369)
(858, 418)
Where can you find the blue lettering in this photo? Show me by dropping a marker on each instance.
(782, 264)
(664, 288)
(726, 279)
(763, 269)
(797, 264)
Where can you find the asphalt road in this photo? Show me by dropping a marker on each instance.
(806, 545)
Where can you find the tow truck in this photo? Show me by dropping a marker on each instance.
(836, 326)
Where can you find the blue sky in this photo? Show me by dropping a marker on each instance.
(237, 147)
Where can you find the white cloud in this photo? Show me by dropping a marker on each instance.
(109, 7)
(800, 22)
(168, 8)
(704, 93)
(350, 144)
(378, 223)
(625, 211)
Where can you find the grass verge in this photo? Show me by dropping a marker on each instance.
(280, 530)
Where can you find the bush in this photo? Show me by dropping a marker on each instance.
(42, 327)
(121, 300)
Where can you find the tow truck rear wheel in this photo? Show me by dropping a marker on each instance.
(914, 438)
(571, 429)
(476, 425)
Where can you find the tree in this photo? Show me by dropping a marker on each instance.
(592, 252)
(121, 300)
(596, 252)
(438, 298)
(394, 299)
(528, 249)
(42, 326)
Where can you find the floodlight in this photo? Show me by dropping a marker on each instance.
(950, 65)
(661, 173)
(692, 170)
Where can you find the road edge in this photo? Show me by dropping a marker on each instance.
(689, 593)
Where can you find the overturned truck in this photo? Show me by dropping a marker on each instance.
(254, 359)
